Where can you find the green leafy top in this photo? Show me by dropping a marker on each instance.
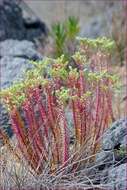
(79, 58)
(102, 43)
(57, 69)
(62, 94)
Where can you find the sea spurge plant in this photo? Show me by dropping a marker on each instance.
(101, 43)
(37, 107)
(59, 69)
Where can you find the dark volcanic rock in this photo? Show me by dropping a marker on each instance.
(115, 135)
(11, 22)
(113, 145)
(35, 28)
(14, 26)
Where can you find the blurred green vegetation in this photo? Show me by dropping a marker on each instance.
(64, 35)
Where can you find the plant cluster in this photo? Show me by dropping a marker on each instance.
(64, 35)
(37, 108)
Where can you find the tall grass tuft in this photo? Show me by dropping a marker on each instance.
(63, 36)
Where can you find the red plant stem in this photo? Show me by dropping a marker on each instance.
(98, 95)
(77, 121)
(51, 111)
(82, 106)
(95, 125)
(52, 115)
(88, 124)
(79, 110)
(90, 116)
(83, 119)
(38, 137)
(18, 128)
(102, 111)
(107, 115)
(100, 125)
(51, 119)
(31, 131)
(109, 99)
(46, 122)
(74, 117)
(81, 83)
(109, 102)
(65, 135)
(83, 123)
(42, 110)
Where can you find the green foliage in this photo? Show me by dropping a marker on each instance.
(64, 35)
(102, 44)
(79, 58)
(59, 68)
(121, 152)
(72, 27)
(63, 95)
(59, 36)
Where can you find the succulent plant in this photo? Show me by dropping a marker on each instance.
(45, 141)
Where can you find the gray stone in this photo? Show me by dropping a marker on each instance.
(15, 48)
(104, 157)
(113, 150)
(14, 26)
(115, 135)
(12, 69)
(117, 177)
(123, 142)
(100, 21)
(94, 28)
